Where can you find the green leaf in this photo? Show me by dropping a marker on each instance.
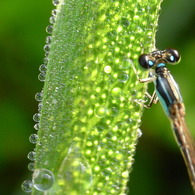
(89, 121)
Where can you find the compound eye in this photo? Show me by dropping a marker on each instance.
(145, 61)
(172, 56)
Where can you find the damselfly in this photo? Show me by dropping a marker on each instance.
(167, 92)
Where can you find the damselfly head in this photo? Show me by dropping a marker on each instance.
(159, 58)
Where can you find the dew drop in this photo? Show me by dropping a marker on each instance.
(46, 48)
(125, 174)
(48, 39)
(43, 179)
(43, 68)
(45, 60)
(49, 29)
(56, 2)
(31, 166)
(126, 63)
(107, 69)
(114, 111)
(100, 111)
(116, 92)
(123, 77)
(36, 126)
(38, 96)
(101, 127)
(75, 175)
(46, 53)
(129, 121)
(31, 155)
(36, 117)
(27, 186)
(54, 12)
(33, 138)
(52, 19)
(40, 106)
(139, 133)
(41, 76)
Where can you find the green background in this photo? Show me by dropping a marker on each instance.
(159, 167)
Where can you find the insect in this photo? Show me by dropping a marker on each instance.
(167, 92)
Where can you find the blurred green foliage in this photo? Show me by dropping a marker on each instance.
(159, 167)
(22, 37)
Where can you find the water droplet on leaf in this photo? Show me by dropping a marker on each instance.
(49, 29)
(52, 19)
(36, 117)
(56, 2)
(114, 111)
(43, 179)
(33, 138)
(46, 48)
(75, 175)
(40, 106)
(125, 64)
(38, 96)
(43, 68)
(27, 186)
(116, 92)
(100, 111)
(107, 69)
(123, 77)
(41, 76)
(45, 60)
(31, 155)
(139, 133)
(54, 12)
(48, 39)
(31, 166)
(36, 126)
